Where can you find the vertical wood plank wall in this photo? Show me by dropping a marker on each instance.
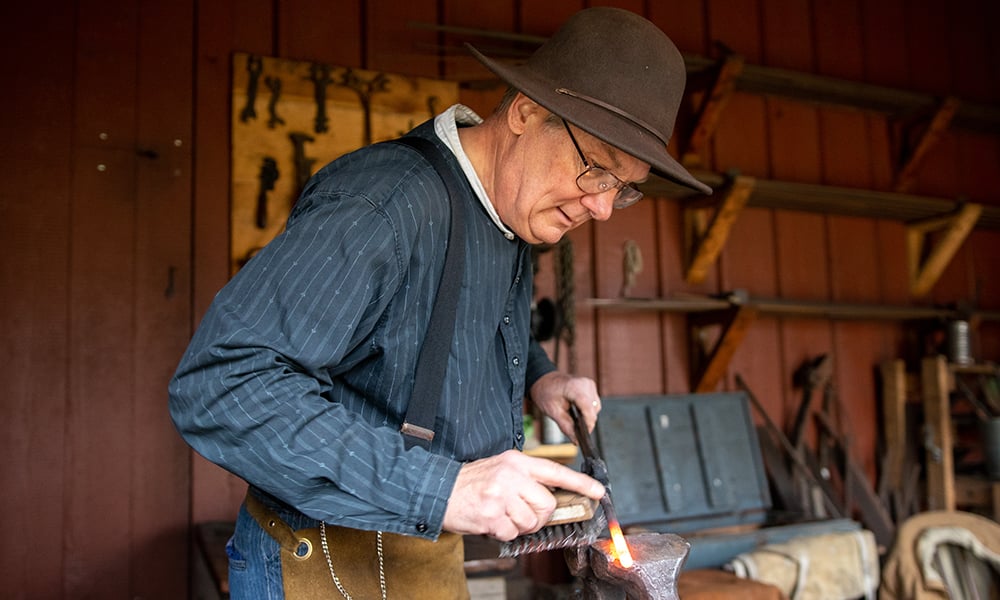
(114, 233)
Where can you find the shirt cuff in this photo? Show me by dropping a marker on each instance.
(538, 364)
(430, 499)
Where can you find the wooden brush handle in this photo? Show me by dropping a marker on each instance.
(571, 508)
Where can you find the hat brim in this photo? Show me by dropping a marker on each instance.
(599, 122)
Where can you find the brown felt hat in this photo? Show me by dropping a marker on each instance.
(615, 75)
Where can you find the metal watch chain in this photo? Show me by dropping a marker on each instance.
(329, 562)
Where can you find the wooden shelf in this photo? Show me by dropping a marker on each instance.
(780, 307)
(827, 199)
(945, 489)
(900, 105)
(978, 491)
(831, 91)
(752, 79)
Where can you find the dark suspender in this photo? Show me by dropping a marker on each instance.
(418, 426)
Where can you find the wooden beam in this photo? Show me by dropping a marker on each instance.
(705, 242)
(935, 383)
(911, 159)
(709, 367)
(894, 425)
(924, 273)
(712, 107)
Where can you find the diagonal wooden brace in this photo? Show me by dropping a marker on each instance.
(708, 367)
(913, 156)
(704, 238)
(712, 107)
(926, 266)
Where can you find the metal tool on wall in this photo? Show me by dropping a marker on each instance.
(268, 175)
(319, 75)
(304, 114)
(274, 86)
(254, 68)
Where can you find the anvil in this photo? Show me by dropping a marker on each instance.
(658, 558)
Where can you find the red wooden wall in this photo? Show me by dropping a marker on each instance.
(114, 229)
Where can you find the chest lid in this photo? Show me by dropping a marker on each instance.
(681, 463)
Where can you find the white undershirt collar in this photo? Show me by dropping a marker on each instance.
(446, 126)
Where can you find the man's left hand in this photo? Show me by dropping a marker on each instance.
(553, 392)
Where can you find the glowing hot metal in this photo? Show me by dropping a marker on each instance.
(615, 529)
(621, 546)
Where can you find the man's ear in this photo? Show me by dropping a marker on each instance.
(520, 112)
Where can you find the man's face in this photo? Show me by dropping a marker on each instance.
(537, 194)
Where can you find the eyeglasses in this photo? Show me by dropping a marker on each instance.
(598, 180)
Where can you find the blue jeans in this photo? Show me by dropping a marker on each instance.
(254, 558)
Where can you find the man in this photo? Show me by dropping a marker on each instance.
(299, 378)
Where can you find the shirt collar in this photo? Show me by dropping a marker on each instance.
(446, 127)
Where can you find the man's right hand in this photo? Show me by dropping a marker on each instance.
(508, 495)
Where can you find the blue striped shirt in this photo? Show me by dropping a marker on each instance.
(299, 376)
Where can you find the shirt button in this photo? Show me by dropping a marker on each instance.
(516, 361)
(422, 527)
(518, 437)
(506, 320)
(517, 280)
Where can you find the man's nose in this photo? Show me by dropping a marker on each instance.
(600, 205)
